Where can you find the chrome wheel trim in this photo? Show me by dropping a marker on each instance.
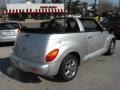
(70, 68)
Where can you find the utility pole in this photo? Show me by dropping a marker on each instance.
(2, 8)
(8, 1)
(95, 7)
(69, 6)
(119, 6)
(64, 7)
(99, 7)
(3, 5)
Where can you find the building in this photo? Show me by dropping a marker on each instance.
(34, 11)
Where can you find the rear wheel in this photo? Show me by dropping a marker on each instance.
(68, 68)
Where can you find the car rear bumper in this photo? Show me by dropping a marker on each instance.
(46, 70)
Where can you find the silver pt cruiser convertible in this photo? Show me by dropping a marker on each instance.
(59, 48)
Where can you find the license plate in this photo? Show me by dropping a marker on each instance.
(9, 33)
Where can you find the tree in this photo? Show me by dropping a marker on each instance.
(57, 1)
(43, 1)
(85, 5)
(74, 7)
(105, 6)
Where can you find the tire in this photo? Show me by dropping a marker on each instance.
(68, 68)
(111, 49)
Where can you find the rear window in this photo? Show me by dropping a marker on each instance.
(8, 26)
(57, 26)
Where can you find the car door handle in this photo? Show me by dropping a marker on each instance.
(89, 37)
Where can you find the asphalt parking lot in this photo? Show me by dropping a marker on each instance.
(100, 73)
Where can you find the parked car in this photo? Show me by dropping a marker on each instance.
(59, 48)
(113, 25)
(44, 24)
(8, 31)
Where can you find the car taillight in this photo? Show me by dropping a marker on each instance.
(52, 55)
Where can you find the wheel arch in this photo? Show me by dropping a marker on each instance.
(114, 40)
(76, 54)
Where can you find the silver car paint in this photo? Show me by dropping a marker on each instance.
(8, 35)
(30, 49)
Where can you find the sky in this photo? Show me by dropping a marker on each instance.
(89, 1)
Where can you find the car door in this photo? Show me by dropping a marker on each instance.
(96, 37)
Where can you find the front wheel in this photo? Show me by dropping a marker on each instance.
(68, 68)
(111, 49)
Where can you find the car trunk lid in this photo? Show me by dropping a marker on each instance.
(31, 46)
(9, 32)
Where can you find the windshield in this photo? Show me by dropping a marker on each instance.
(8, 26)
(110, 21)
